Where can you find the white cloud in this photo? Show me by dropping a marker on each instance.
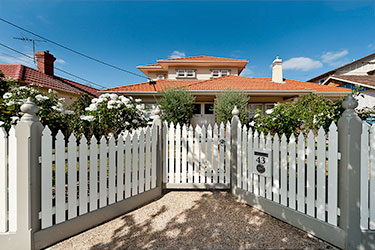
(331, 57)
(302, 64)
(247, 72)
(177, 54)
(8, 59)
(60, 61)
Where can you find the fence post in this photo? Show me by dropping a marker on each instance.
(233, 145)
(159, 154)
(349, 139)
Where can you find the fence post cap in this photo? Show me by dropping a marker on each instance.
(235, 111)
(29, 108)
(157, 110)
(349, 102)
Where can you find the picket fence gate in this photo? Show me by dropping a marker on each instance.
(197, 158)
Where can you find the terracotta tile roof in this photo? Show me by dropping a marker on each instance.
(361, 79)
(230, 82)
(202, 58)
(29, 75)
(149, 65)
(161, 85)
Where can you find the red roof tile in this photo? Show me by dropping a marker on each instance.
(229, 82)
(29, 75)
(203, 58)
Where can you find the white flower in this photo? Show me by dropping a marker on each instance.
(10, 103)
(1, 123)
(252, 124)
(269, 111)
(113, 96)
(7, 95)
(41, 97)
(92, 107)
(62, 99)
(14, 119)
(68, 112)
(127, 123)
(87, 117)
(95, 100)
(124, 99)
(50, 91)
(138, 100)
(256, 115)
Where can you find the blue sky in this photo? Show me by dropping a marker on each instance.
(311, 37)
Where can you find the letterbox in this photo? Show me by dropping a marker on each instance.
(262, 162)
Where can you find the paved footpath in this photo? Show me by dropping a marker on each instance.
(194, 220)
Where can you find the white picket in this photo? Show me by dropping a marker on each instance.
(154, 150)
(93, 173)
(141, 184)
(12, 180)
(203, 155)
(364, 202)
(239, 155)
(321, 175)
(209, 154)
(250, 166)
(111, 170)
(171, 153)
(244, 158)
(221, 153)
(262, 179)
(135, 144)
(120, 169)
(227, 153)
(72, 177)
(301, 173)
(184, 154)
(165, 150)
(190, 154)
(215, 154)
(46, 178)
(283, 168)
(3, 181)
(178, 153)
(196, 153)
(292, 172)
(83, 175)
(276, 168)
(269, 179)
(255, 176)
(310, 172)
(128, 165)
(60, 177)
(332, 174)
(103, 172)
(372, 178)
(148, 168)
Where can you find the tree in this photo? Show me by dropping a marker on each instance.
(309, 113)
(177, 106)
(225, 102)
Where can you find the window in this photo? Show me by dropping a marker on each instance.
(224, 72)
(254, 107)
(209, 109)
(160, 77)
(185, 73)
(220, 72)
(197, 109)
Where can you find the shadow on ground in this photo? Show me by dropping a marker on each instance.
(198, 220)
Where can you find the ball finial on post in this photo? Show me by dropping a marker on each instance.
(29, 108)
(350, 102)
(235, 111)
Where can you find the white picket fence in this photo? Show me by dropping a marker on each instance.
(199, 156)
(368, 177)
(304, 172)
(89, 176)
(8, 185)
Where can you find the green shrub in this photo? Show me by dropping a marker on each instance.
(177, 106)
(309, 113)
(225, 102)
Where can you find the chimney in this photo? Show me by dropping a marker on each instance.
(45, 62)
(277, 70)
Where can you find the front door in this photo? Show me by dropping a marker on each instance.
(203, 114)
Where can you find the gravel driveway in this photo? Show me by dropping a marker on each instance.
(193, 220)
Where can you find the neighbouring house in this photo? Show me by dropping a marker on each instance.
(206, 77)
(44, 78)
(360, 73)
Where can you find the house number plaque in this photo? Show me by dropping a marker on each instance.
(262, 162)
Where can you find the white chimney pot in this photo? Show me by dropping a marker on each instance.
(277, 70)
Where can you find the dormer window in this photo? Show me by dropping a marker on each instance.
(186, 73)
(220, 72)
(160, 77)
